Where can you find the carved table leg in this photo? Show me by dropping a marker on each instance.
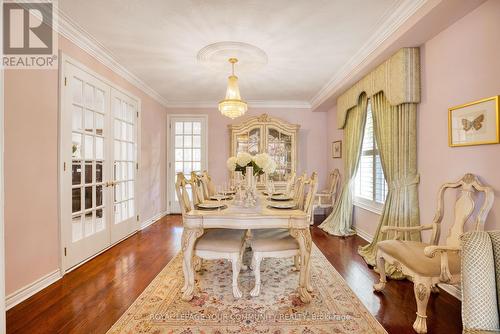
(303, 237)
(189, 237)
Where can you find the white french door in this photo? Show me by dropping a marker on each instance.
(188, 150)
(124, 165)
(98, 156)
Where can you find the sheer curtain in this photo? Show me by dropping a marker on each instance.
(396, 134)
(339, 222)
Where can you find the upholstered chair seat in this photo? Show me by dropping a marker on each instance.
(411, 254)
(221, 240)
(270, 240)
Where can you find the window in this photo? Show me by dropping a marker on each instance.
(370, 188)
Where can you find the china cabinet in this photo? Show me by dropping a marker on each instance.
(274, 136)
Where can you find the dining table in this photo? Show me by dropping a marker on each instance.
(261, 216)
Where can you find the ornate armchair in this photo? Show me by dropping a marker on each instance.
(326, 198)
(481, 282)
(429, 264)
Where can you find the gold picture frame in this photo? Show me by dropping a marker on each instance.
(474, 123)
(337, 149)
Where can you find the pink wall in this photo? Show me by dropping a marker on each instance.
(459, 65)
(31, 128)
(312, 138)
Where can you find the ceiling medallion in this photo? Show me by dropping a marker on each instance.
(233, 106)
(214, 56)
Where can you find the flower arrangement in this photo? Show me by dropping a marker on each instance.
(261, 163)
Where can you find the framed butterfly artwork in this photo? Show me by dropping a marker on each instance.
(475, 123)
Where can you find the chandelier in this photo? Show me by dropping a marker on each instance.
(233, 106)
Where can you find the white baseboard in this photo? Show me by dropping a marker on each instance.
(453, 290)
(153, 219)
(29, 290)
(363, 234)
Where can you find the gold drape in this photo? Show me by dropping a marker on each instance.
(396, 134)
(339, 222)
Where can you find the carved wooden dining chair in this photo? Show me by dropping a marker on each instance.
(326, 198)
(197, 189)
(207, 185)
(278, 243)
(214, 244)
(428, 264)
(289, 183)
(298, 190)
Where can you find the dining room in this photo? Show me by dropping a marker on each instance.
(250, 166)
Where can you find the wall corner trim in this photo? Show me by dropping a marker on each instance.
(29, 290)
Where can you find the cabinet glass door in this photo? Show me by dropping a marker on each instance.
(279, 147)
(249, 141)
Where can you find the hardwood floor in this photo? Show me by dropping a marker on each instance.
(92, 297)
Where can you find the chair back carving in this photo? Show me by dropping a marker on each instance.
(182, 193)
(298, 189)
(311, 194)
(197, 187)
(289, 183)
(207, 185)
(465, 206)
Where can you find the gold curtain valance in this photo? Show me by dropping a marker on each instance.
(398, 77)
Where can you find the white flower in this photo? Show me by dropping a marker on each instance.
(262, 160)
(243, 159)
(231, 164)
(271, 167)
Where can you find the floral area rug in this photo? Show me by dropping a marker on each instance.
(278, 310)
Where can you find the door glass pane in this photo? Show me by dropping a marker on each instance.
(76, 172)
(88, 172)
(89, 147)
(76, 148)
(196, 141)
(196, 128)
(88, 225)
(77, 118)
(77, 200)
(77, 90)
(76, 228)
(99, 220)
(88, 198)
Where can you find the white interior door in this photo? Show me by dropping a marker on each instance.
(86, 166)
(98, 143)
(124, 148)
(188, 150)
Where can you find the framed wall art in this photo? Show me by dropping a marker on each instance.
(337, 149)
(475, 123)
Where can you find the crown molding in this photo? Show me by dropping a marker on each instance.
(389, 25)
(68, 28)
(291, 104)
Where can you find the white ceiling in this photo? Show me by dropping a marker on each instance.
(307, 42)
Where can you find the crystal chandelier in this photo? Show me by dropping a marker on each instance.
(233, 106)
